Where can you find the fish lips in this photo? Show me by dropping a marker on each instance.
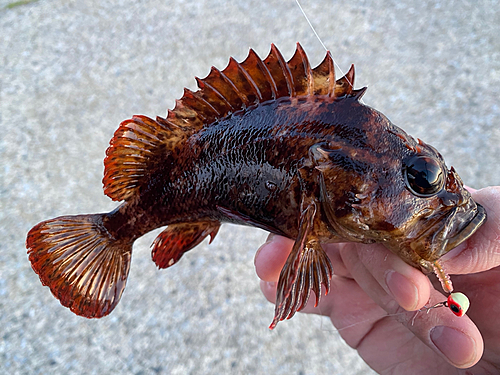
(455, 227)
(462, 228)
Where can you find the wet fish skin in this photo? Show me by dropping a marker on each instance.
(271, 144)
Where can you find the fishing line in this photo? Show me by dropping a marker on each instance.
(317, 36)
(457, 302)
(311, 26)
(368, 320)
(411, 321)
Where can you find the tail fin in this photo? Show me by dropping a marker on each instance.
(82, 264)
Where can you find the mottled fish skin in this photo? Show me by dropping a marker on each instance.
(271, 144)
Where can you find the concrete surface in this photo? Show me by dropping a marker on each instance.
(70, 71)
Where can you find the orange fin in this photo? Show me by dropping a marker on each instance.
(141, 143)
(174, 241)
(301, 72)
(344, 86)
(306, 268)
(84, 267)
(136, 147)
(255, 81)
(324, 77)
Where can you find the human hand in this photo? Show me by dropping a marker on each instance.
(374, 295)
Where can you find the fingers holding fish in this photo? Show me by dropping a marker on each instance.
(480, 252)
(369, 276)
(400, 339)
(271, 257)
(269, 261)
(457, 339)
(374, 267)
(385, 276)
(354, 306)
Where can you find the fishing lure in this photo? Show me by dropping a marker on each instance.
(273, 144)
(457, 302)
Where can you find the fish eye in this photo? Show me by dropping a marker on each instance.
(423, 176)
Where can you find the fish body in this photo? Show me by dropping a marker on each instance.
(271, 144)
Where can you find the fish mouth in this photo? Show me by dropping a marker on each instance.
(467, 231)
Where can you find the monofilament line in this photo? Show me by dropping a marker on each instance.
(317, 36)
(310, 25)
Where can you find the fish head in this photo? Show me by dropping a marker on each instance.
(398, 192)
(444, 213)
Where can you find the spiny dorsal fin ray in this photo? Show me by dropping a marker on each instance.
(141, 143)
(301, 72)
(345, 84)
(278, 70)
(260, 75)
(324, 77)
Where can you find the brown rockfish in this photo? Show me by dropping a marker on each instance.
(267, 143)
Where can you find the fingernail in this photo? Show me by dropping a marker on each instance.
(403, 290)
(459, 348)
(270, 238)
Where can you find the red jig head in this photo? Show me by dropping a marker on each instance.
(457, 302)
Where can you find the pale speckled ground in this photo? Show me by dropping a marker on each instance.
(70, 71)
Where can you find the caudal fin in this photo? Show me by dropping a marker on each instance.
(82, 264)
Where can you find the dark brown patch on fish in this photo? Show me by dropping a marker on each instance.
(268, 143)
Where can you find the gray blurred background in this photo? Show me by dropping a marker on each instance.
(71, 71)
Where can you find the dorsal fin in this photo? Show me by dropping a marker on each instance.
(140, 143)
(133, 151)
(344, 85)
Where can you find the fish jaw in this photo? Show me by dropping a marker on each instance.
(466, 231)
(460, 224)
(446, 232)
(463, 232)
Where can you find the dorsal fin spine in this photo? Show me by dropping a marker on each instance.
(204, 102)
(350, 78)
(331, 75)
(267, 74)
(193, 103)
(344, 85)
(167, 125)
(284, 67)
(205, 85)
(176, 119)
(242, 96)
(358, 94)
(307, 70)
(249, 80)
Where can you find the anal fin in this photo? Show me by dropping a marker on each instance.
(174, 241)
(306, 268)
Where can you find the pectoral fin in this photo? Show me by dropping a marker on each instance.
(306, 268)
(174, 241)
